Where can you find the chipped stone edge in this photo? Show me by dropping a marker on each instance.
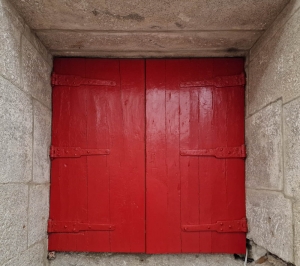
(292, 202)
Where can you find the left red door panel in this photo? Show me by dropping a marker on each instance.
(97, 198)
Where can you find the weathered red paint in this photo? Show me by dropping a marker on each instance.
(194, 190)
(165, 140)
(100, 189)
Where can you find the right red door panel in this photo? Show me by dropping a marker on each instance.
(195, 183)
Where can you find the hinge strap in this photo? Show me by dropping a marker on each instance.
(75, 81)
(75, 152)
(219, 82)
(75, 227)
(233, 226)
(220, 152)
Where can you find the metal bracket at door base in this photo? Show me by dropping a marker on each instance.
(75, 227)
(233, 226)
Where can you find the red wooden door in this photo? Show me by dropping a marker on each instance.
(161, 167)
(189, 190)
(97, 202)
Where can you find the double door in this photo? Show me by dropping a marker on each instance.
(147, 156)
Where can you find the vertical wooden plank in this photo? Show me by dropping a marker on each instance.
(203, 69)
(133, 83)
(60, 122)
(206, 186)
(193, 70)
(98, 137)
(163, 157)
(156, 178)
(190, 172)
(236, 167)
(78, 167)
(115, 160)
(189, 165)
(218, 166)
(220, 175)
(173, 232)
(225, 242)
(69, 184)
(127, 177)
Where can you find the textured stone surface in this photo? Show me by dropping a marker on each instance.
(34, 256)
(13, 221)
(150, 54)
(13, 14)
(176, 23)
(18, 230)
(274, 73)
(38, 213)
(151, 15)
(290, 9)
(270, 221)
(291, 124)
(296, 210)
(41, 143)
(108, 259)
(16, 134)
(275, 68)
(10, 39)
(231, 41)
(37, 44)
(264, 148)
(36, 73)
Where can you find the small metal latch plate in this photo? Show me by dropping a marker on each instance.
(219, 82)
(75, 227)
(233, 226)
(75, 152)
(220, 152)
(75, 81)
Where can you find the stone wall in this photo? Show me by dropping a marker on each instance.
(25, 123)
(273, 137)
